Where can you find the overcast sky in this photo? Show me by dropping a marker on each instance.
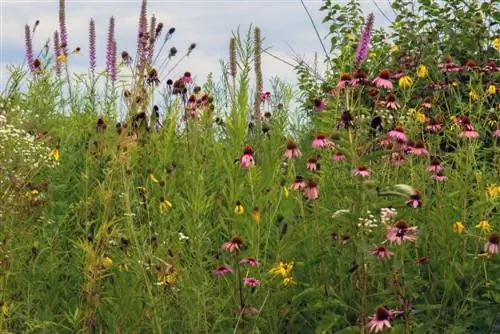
(208, 23)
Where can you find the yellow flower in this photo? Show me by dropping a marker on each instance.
(62, 58)
(496, 43)
(473, 95)
(458, 227)
(289, 281)
(405, 81)
(372, 54)
(5, 309)
(492, 89)
(350, 37)
(106, 262)
(285, 191)
(393, 48)
(54, 154)
(164, 204)
(492, 191)
(256, 214)
(282, 269)
(153, 178)
(170, 278)
(484, 225)
(422, 71)
(239, 209)
(420, 116)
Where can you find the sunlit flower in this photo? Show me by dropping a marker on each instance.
(250, 261)
(405, 81)
(247, 159)
(54, 154)
(484, 226)
(496, 43)
(250, 281)
(422, 71)
(164, 204)
(311, 191)
(493, 244)
(222, 270)
(401, 232)
(292, 151)
(283, 269)
(239, 209)
(256, 214)
(106, 262)
(383, 79)
(381, 252)
(458, 227)
(234, 244)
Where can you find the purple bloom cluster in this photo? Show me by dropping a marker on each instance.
(364, 41)
(92, 54)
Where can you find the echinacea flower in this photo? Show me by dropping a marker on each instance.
(250, 261)
(458, 227)
(250, 281)
(381, 252)
(484, 226)
(419, 149)
(493, 244)
(433, 125)
(222, 270)
(321, 142)
(439, 176)
(405, 81)
(186, 78)
(422, 71)
(415, 200)
(383, 79)
(292, 150)
(401, 232)
(398, 133)
(338, 156)
(298, 183)
(391, 102)
(380, 319)
(359, 78)
(283, 269)
(247, 159)
(234, 244)
(435, 165)
(239, 209)
(312, 163)
(319, 105)
(361, 171)
(345, 79)
(448, 65)
(264, 96)
(397, 158)
(311, 191)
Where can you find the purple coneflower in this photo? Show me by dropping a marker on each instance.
(426, 103)
(247, 160)
(383, 80)
(448, 65)
(345, 79)
(493, 244)
(252, 262)
(312, 163)
(419, 148)
(338, 156)
(496, 133)
(415, 200)
(186, 78)
(391, 102)
(264, 96)
(439, 176)
(311, 191)
(234, 244)
(401, 232)
(433, 125)
(250, 281)
(298, 183)
(397, 158)
(222, 270)
(361, 171)
(398, 133)
(321, 142)
(386, 141)
(435, 165)
(292, 150)
(381, 252)
(319, 105)
(380, 319)
(359, 78)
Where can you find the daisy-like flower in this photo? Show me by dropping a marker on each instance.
(298, 183)
(391, 102)
(426, 102)
(250, 261)
(292, 150)
(386, 142)
(311, 191)
(319, 105)
(473, 95)
(283, 269)
(415, 200)
(419, 148)
(383, 80)
(493, 244)
(433, 125)
(492, 89)
(398, 133)
(222, 270)
(439, 176)
(435, 165)
(458, 227)
(312, 163)
(405, 81)
(54, 154)
(448, 65)
(471, 65)
(491, 66)
(338, 156)
(359, 78)
(496, 43)
(186, 78)
(250, 281)
(164, 204)
(234, 244)
(484, 226)
(289, 281)
(239, 209)
(361, 171)
(247, 159)
(381, 252)
(422, 71)
(401, 232)
(380, 319)
(321, 142)
(345, 79)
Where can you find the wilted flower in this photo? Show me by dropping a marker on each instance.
(256, 214)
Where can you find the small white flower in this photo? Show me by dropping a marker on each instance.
(182, 236)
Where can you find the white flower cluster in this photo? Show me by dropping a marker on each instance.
(368, 221)
(387, 215)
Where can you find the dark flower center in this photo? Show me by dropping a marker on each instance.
(382, 314)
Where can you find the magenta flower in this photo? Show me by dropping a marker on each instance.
(222, 270)
(311, 191)
(493, 244)
(364, 41)
(264, 96)
(361, 171)
(247, 159)
(92, 51)
(398, 133)
(319, 105)
(321, 142)
(496, 133)
(359, 78)
(439, 176)
(298, 183)
(250, 281)
(380, 319)
(448, 65)
(415, 200)
(383, 80)
(312, 164)
(401, 232)
(433, 125)
(252, 262)
(386, 141)
(186, 78)
(471, 134)
(381, 252)
(292, 150)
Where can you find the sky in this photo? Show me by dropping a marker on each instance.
(208, 23)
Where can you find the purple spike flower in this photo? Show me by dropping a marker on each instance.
(57, 51)
(62, 27)
(29, 48)
(111, 50)
(92, 55)
(152, 39)
(141, 38)
(364, 41)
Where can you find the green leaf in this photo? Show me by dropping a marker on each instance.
(327, 322)
(496, 16)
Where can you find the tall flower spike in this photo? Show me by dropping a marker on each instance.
(29, 48)
(152, 39)
(57, 51)
(143, 27)
(232, 57)
(258, 72)
(92, 54)
(364, 41)
(111, 50)
(62, 27)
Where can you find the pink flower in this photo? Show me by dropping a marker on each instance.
(319, 105)
(252, 262)
(247, 160)
(415, 200)
(469, 134)
(401, 232)
(493, 244)
(250, 281)
(246, 310)
(361, 171)
(321, 142)
(380, 319)
(391, 102)
(398, 158)
(439, 176)
(264, 96)
(381, 252)
(496, 133)
(359, 77)
(426, 103)
(338, 156)
(433, 125)
(398, 133)
(234, 244)
(386, 142)
(435, 165)
(292, 151)
(419, 149)
(311, 191)
(222, 270)
(449, 65)
(312, 164)
(298, 183)
(383, 79)
(345, 79)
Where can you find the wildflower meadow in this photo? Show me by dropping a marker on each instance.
(364, 199)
